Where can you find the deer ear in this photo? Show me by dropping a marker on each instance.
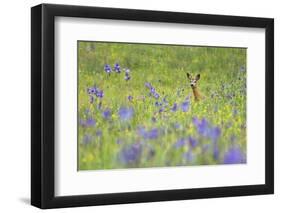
(188, 75)
(197, 77)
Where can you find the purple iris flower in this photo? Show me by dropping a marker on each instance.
(92, 90)
(180, 143)
(214, 133)
(158, 104)
(106, 114)
(156, 95)
(127, 75)
(153, 133)
(206, 130)
(189, 156)
(185, 106)
(174, 108)
(87, 139)
(107, 68)
(99, 133)
(88, 122)
(126, 113)
(117, 68)
(131, 154)
(130, 98)
(99, 94)
(234, 156)
(192, 141)
(148, 85)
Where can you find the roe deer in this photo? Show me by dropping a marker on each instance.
(193, 83)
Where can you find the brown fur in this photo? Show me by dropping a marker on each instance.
(193, 83)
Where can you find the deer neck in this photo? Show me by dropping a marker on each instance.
(196, 93)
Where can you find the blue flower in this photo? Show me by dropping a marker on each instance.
(92, 90)
(87, 139)
(161, 109)
(214, 133)
(106, 114)
(150, 134)
(107, 68)
(117, 68)
(185, 106)
(206, 130)
(234, 155)
(131, 154)
(99, 93)
(177, 126)
(127, 76)
(148, 85)
(156, 95)
(126, 113)
(180, 143)
(189, 156)
(174, 108)
(99, 133)
(153, 134)
(90, 122)
(130, 98)
(158, 104)
(192, 141)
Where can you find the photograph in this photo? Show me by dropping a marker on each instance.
(160, 105)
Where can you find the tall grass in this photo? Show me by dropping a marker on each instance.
(124, 124)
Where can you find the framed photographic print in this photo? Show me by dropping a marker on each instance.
(139, 106)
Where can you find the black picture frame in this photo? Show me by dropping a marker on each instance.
(43, 105)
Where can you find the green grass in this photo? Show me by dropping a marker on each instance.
(112, 143)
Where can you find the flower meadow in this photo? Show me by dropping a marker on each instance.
(136, 108)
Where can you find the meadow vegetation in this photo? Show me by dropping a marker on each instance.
(136, 108)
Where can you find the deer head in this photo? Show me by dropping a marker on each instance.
(193, 80)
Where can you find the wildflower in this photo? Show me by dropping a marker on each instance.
(192, 141)
(156, 95)
(185, 106)
(99, 94)
(117, 68)
(161, 109)
(148, 85)
(90, 122)
(131, 154)
(153, 134)
(206, 130)
(107, 68)
(106, 114)
(130, 98)
(174, 108)
(177, 126)
(87, 139)
(127, 75)
(99, 133)
(189, 156)
(92, 90)
(180, 143)
(126, 113)
(234, 155)
(158, 104)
